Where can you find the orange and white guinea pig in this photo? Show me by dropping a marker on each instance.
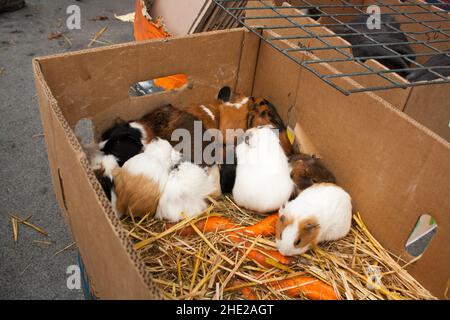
(322, 212)
(233, 116)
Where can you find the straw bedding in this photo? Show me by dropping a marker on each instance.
(210, 266)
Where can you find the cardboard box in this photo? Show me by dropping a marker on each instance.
(430, 105)
(394, 168)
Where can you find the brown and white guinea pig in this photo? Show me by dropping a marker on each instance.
(209, 114)
(263, 181)
(322, 212)
(262, 112)
(186, 192)
(124, 140)
(139, 183)
(163, 121)
(307, 170)
(233, 118)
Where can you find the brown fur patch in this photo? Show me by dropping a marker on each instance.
(282, 223)
(308, 230)
(308, 170)
(135, 193)
(164, 120)
(200, 113)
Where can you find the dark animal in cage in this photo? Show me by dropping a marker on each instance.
(376, 43)
(440, 61)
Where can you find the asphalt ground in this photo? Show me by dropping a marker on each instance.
(30, 269)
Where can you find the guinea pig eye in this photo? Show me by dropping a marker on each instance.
(247, 139)
(282, 219)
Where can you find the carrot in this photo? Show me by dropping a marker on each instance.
(212, 224)
(312, 288)
(265, 227)
(261, 256)
(248, 294)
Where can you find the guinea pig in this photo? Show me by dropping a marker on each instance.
(208, 113)
(307, 170)
(322, 212)
(102, 165)
(387, 34)
(124, 141)
(233, 119)
(164, 120)
(139, 183)
(213, 173)
(440, 60)
(263, 182)
(262, 112)
(185, 192)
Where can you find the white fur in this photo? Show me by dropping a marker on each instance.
(140, 127)
(108, 163)
(185, 192)
(155, 162)
(263, 181)
(101, 145)
(329, 204)
(208, 112)
(239, 104)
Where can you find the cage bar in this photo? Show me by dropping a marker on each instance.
(413, 36)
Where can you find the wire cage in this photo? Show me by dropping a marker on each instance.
(378, 45)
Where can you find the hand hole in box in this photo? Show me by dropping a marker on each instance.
(84, 131)
(421, 235)
(157, 85)
(224, 94)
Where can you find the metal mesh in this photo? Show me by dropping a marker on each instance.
(407, 45)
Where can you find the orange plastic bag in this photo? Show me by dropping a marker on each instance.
(144, 30)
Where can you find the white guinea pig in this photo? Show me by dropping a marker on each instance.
(139, 183)
(186, 190)
(322, 212)
(263, 182)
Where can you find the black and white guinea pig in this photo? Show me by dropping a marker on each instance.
(263, 182)
(262, 112)
(322, 212)
(387, 34)
(124, 140)
(440, 60)
(307, 170)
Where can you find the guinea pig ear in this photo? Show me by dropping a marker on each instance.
(310, 226)
(281, 225)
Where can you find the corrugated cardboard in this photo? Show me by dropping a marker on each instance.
(394, 168)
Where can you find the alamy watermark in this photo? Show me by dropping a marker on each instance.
(374, 19)
(73, 21)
